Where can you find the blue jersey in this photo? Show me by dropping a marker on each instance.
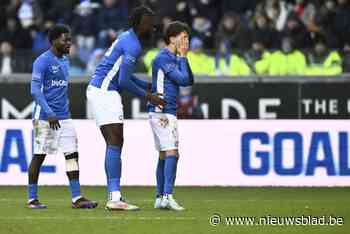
(169, 72)
(114, 72)
(49, 86)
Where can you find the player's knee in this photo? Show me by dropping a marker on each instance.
(172, 153)
(72, 161)
(161, 155)
(116, 139)
(37, 160)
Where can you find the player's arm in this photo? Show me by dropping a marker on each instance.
(127, 68)
(35, 87)
(36, 92)
(125, 76)
(141, 83)
(182, 75)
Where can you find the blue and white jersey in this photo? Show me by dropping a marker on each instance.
(123, 53)
(49, 86)
(169, 72)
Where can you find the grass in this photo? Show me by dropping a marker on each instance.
(200, 203)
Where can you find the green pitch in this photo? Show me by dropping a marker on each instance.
(200, 202)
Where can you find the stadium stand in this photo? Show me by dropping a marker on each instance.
(234, 38)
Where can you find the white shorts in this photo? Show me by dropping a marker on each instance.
(49, 141)
(107, 107)
(164, 128)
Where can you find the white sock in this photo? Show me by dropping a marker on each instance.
(115, 196)
(74, 199)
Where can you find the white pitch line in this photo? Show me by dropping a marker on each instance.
(151, 200)
(141, 218)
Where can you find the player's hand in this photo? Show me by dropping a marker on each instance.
(54, 124)
(149, 87)
(183, 46)
(155, 100)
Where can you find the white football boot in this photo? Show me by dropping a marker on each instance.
(168, 202)
(158, 202)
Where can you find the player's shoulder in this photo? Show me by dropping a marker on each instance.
(129, 41)
(162, 57)
(43, 59)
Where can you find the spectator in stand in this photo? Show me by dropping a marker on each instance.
(9, 62)
(346, 57)
(11, 8)
(40, 40)
(323, 61)
(29, 14)
(231, 35)
(112, 19)
(204, 17)
(341, 23)
(324, 21)
(84, 26)
(289, 61)
(263, 31)
(188, 106)
(77, 66)
(277, 12)
(201, 63)
(241, 7)
(258, 58)
(14, 33)
(94, 60)
(59, 11)
(296, 30)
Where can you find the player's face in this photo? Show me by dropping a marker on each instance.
(146, 26)
(63, 43)
(182, 40)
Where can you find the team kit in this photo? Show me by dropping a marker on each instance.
(53, 127)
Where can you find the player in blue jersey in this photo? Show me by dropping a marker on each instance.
(53, 128)
(170, 71)
(112, 75)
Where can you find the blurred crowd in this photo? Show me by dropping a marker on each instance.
(229, 37)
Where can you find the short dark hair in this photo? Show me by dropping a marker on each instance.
(137, 13)
(56, 31)
(174, 29)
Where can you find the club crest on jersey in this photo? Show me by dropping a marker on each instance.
(55, 68)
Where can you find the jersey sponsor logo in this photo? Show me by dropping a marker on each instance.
(59, 83)
(294, 154)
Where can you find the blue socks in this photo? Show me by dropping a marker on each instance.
(113, 167)
(170, 173)
(32, 191)
(160, 177)
(74, 187)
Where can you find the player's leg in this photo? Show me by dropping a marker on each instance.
(113, 135)
(160, 179)
(107, 109)
(33, 177)
(164, 128)
(170, 168)
(72, 171)
(43, 144)
(67, 144)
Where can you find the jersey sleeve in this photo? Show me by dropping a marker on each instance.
(130, 55)
(180, 74)
(38, 76)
